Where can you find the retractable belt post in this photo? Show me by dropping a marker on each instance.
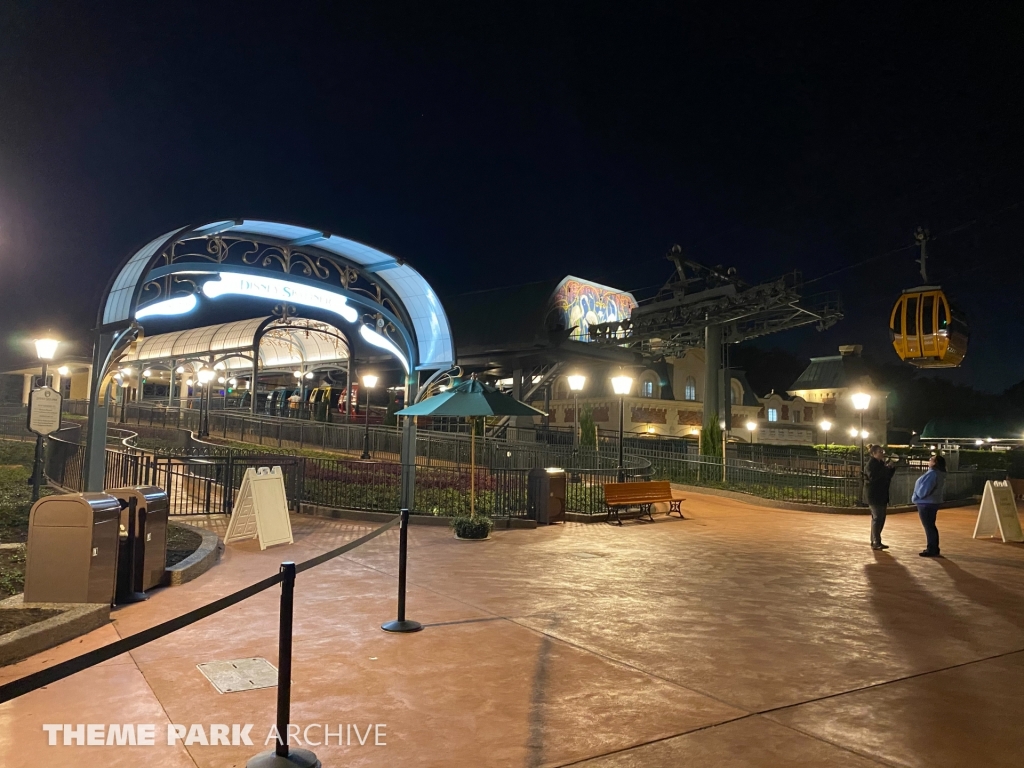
(282, 756)
(402, 624)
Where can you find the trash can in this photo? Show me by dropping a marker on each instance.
(546, 495)
(143, 532)
(72, 549)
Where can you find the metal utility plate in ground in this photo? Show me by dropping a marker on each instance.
(239, 674)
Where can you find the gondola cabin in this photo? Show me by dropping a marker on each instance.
(926, 331)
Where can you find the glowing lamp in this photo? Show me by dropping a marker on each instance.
(826, 425)
(369, 380)
(46, 348)
(63, 370)
(861, 401)
(751, 426)
(576, 382)
(622, 384)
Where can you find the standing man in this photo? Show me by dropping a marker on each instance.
(927, 496)
(877, 477)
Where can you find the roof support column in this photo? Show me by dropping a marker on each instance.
(712, 374)
(96, 434)
(408, 496)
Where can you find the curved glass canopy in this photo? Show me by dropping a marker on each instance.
(430, 327)
(301, 343)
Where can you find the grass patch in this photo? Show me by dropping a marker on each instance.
(12, 619)
(181, 543)
(12, 572)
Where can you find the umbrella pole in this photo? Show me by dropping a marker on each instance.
(472, 468)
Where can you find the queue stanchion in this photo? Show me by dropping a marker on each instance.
(282, 756)
(402, 624)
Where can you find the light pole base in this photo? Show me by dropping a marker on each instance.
(406, 625)
(297, 758)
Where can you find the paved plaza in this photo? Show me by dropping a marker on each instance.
(741, 636)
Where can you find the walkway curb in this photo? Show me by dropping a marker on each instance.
(196, 564)
(74, 620)
(385, 517)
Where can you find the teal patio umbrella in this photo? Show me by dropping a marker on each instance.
(471, 399)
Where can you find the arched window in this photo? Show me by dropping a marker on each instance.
(690, 393)
(736, 392)
(649, 385)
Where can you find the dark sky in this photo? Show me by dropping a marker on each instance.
(493, 144)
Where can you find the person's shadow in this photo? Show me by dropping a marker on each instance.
(1009, 605)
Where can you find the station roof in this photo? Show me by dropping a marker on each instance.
(306, 343)
(430, 324)
(836, 372)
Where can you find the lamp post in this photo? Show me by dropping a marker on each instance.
(621, 384)
(576, 382)
(369, 382)
(825, 427)
(46, 348)
(861, 402)
(205, 376)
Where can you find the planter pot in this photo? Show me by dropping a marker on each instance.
(463, 538)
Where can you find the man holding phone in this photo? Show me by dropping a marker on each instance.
(877, 477)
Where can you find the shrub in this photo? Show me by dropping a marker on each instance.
(472, 527)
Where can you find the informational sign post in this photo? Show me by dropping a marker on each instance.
(998, 513)
(44, 407)
(261, 509)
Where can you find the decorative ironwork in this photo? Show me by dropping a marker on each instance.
(249, 252)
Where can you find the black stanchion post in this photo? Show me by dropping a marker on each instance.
(282, 756)
(402, 624)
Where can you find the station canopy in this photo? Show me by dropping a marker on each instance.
(298, 343)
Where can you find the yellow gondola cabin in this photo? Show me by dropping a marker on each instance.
(926, 331)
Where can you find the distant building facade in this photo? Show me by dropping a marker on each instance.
(667, 399)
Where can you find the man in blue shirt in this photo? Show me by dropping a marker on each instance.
(927, 496)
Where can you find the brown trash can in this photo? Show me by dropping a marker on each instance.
(545, 494)
(72, 549)
(150, 529)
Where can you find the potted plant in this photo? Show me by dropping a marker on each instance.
(472, 527)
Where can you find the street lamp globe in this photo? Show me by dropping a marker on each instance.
(297, 374)
(576, 382)
(147, 373)
(864, 434)
(180, 369)
(309, 374)
(854, 432)
(622, 383)
(861, 401)
(369, 380)
(825, 426)
(205, 375)
(46, 348)
(63, 370)
(751, 426)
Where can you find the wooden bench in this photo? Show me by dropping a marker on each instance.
(624, 496)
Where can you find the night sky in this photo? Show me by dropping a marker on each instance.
(493, 144)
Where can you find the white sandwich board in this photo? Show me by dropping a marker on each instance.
(261, 509)
(998, 513)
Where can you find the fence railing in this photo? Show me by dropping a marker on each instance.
(443, 471)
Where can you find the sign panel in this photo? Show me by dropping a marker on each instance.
(261, 509)
(582, 303)
(998, 512)
(44, 411)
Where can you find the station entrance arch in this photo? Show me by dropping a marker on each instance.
(375, 297)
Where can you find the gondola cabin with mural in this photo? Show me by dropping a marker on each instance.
(926, 328)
